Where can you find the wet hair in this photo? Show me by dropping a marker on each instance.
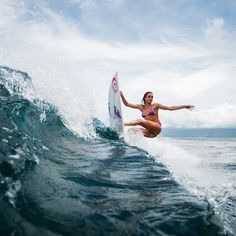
(144, 96)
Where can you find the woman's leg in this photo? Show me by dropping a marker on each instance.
(153, 128)
(134, 123)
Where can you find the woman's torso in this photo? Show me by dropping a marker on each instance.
(150, 113)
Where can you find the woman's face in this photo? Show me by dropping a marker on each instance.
(149, 98)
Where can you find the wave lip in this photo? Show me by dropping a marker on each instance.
(16, 82)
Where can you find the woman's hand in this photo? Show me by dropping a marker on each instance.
(190, 107)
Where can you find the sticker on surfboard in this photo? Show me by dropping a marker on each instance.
(114, 106)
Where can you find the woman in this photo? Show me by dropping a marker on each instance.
(151, 123)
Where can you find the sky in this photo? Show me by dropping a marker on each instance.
(183, 50)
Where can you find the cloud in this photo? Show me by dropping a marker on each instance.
(88, 4)
(72, 70)
(222, 116)
(214, 32)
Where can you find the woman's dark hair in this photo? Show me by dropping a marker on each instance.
(144, 96)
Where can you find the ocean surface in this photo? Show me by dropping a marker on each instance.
(54, 181)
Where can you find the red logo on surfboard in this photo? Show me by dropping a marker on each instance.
(114, 84)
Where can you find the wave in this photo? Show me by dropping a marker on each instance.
(55, 182)
(30, 127)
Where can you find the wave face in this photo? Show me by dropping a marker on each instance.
(54, 182)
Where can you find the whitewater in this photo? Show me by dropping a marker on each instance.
(62, 177)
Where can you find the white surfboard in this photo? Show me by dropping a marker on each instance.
(114, 106)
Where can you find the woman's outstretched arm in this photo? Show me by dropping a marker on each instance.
(136, 106)
(174, 108)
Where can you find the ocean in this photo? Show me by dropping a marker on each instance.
(53, 181)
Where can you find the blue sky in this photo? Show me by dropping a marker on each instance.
(126, 20)
(183, 50)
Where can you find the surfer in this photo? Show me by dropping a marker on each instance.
(151, 123)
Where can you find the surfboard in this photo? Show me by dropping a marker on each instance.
(114, 106)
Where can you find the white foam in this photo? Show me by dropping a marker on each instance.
(189, 168)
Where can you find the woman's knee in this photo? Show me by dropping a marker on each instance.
(158, 130)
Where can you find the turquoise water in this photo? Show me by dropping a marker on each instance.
(54, 182)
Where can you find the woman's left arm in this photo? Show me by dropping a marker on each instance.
(174, 108)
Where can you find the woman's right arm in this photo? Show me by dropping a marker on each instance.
(136, 106)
